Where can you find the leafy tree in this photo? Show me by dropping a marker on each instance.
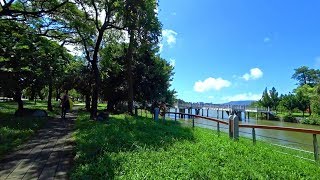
(289, 102)
(306, 76)
(265, 100)
(17, 55)
(91, 28)
(306, 94)
(144, 28)
(20, 9)
(303, 102)
(274, 98)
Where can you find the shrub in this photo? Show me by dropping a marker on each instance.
(313, 120)
(289, 118)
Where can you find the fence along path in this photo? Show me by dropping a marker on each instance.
(313, 132)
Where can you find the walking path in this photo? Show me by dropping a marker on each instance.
(47, 156)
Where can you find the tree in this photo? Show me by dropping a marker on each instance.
(303, 102)
(21, 9)
(289, 102)
(274, 98)
(16, 57)
(306, 94)
(91, 27)
(144, 28)
(265, 100)
(306, 76)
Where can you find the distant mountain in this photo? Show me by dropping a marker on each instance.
(241, 103)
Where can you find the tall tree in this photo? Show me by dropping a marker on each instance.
(289, 102)
(21, 9)
(144, 29)
(304, 76)
(306, 94)
(91, 24)
(265, 100)
(274, 98)
(303, 102)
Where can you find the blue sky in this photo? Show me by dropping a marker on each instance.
(227, 50)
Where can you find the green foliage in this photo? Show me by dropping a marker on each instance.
(306, 76)
(289, 102)
(315, 106)
(313, 120)
(274, 98)
(302, 101)
(289, 118)
(265, 101)
(138, 148)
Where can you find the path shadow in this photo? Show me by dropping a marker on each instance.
(96, 142)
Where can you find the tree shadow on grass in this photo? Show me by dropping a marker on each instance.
(97, 142)
(14, 131)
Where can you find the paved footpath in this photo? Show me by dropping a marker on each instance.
(46, 156)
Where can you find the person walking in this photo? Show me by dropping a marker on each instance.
(65, 104)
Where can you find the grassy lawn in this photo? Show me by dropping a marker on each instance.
(16, 130)
(138, 148)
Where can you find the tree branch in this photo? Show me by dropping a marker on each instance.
(7, 11)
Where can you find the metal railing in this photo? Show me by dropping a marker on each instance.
(254, 127)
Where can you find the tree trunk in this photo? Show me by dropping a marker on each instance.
(18, 99)
(88, 99)
(33, 94)
(95, 91)
(96, 73)
(309, 106)
(129, 73)
(50, 96)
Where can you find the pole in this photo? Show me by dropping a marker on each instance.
(235, 128)
(254, 136)
(315, 147)
(193, 121)
(230, 126)
(218, 128)
(208, 112)
(218, 113)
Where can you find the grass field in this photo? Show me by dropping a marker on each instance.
(138, 148)
(16, 130)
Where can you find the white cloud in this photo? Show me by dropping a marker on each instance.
(172, 62)
(169, 36)
(156, 10)
(211, 84)
(160, 47)
(266, 40)
(242, 97)
(174, 14)
(210, 97)
(255, 73)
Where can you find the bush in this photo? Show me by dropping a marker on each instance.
(289, 118)
(313, 120)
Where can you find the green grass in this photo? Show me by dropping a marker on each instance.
(14, 131)
(294, 114)
(138, 148)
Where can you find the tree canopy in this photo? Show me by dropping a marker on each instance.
(117, 51)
